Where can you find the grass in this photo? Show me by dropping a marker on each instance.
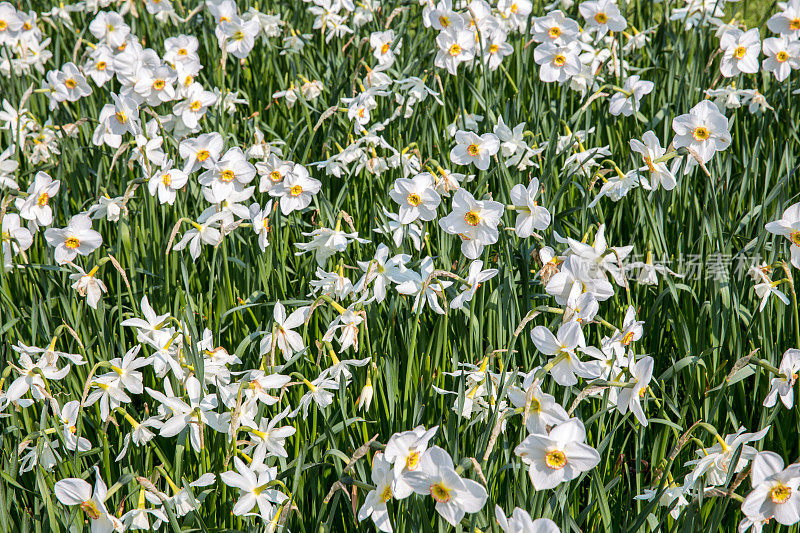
(696, 328)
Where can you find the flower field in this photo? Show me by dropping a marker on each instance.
(401, 265)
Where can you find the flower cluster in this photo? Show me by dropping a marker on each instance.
(309, 237)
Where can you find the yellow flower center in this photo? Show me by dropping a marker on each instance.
(90, 508)
(412, 461)
(101, 65)
(472, 218)
(780, 493)
(627, 339)
(386, 495)
(493, 49)
(739, 52)
(296, 190)
(202, 155)
(455, 49)
(514, 8)
(238, 36)
(122, 47)
(642, 392)
(227, 175)
(224, 19)
(27, 26)
(794, 24)
(72, 242)
(194, 106)
(555, 459)
(70, 83)
(121, 117)
(275, 176)
(385, 48)
(473, 150)
(444, 21)
(649, 162)
(413, 199)
(554, 32)
(601, 18)
(166, 180)
(188, 80)
(159, 84)
(3, 25)
(182, 52)
(559, 60)
(536, 405)
(440, 493)
(43, 199)
(701, 133)
(781, 57)
(795, 238)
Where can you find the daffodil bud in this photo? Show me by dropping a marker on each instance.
(365, 398)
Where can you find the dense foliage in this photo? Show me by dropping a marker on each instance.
(398, 265)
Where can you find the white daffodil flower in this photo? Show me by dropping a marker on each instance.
(521, 522)
(566, 365)
(254, 490)
(740, 50)
(75, 491)
(775, 490)
(196, 414)
(77, 237)
(475, 221)
(530, 215)
(374, 506)
(789, 226)
(472, 148)
(404, 451)
(416, 197)
(630, 397)
(704, 130)
(454, 496)
(541, 409)
(782, 385)
(559, 456)
(475, 277)
(715, 461)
